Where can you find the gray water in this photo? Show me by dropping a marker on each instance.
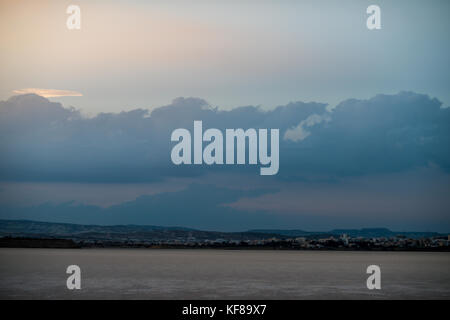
(221, 274)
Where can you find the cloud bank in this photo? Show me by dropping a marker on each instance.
(43, 141)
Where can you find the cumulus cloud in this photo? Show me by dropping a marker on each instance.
(49, 93)
(387, 133)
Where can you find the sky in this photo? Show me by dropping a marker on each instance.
(86, 115)
(143, 54)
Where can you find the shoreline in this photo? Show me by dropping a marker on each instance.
(36, 243)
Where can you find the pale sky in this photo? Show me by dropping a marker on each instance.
(143, 54)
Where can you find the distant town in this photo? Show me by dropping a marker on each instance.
(32, 234)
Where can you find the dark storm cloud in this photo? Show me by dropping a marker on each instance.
(198, 206)
(205, 206)
(43, 141)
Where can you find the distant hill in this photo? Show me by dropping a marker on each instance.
(26, 228)
(69, 228)
(354, 233)
(37, 229)
(287, 233)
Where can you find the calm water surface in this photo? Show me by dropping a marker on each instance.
(221, 274)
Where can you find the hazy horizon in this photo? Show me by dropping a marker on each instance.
(233, 231)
